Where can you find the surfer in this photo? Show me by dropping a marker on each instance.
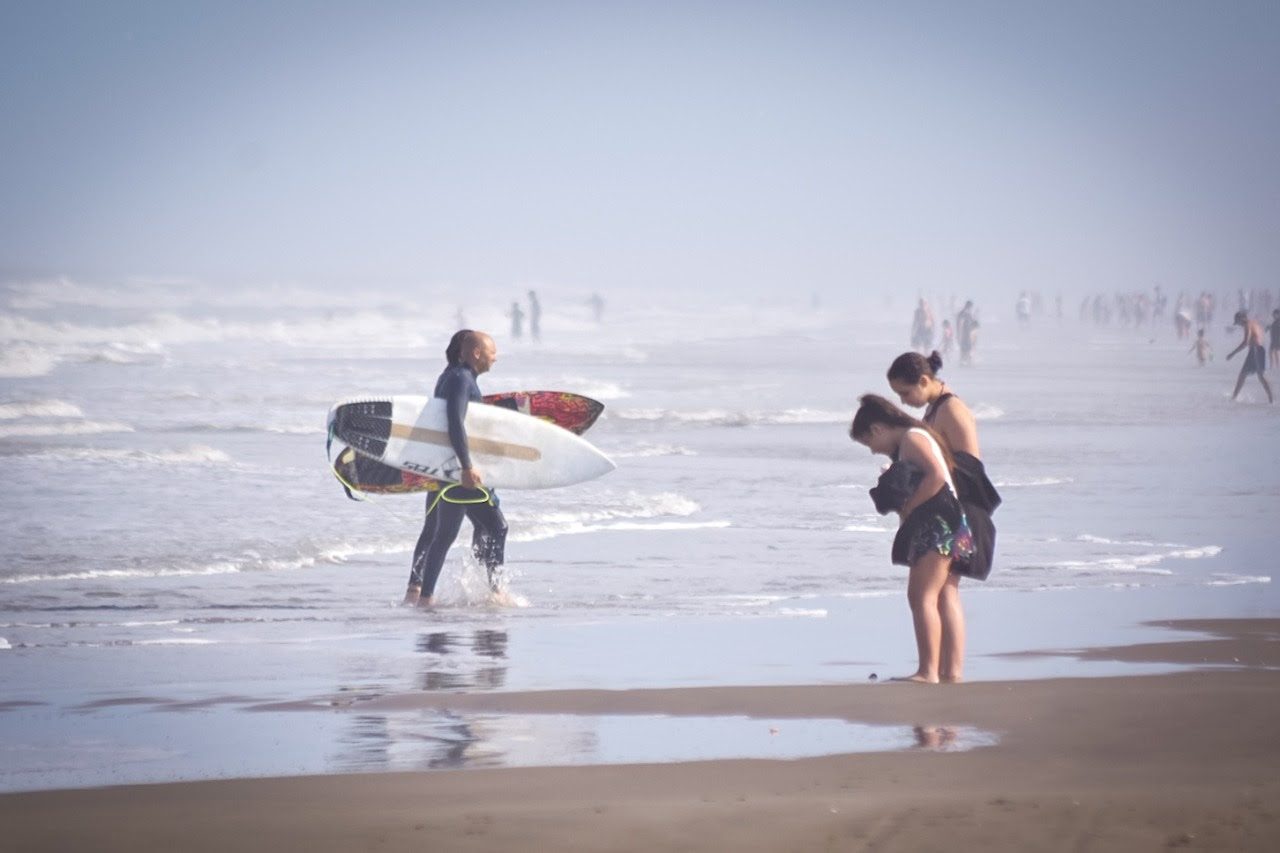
(469, 354)
(1255, 359)
(933, 532)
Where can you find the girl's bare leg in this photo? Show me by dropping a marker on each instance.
(927, 577)
(951, 613)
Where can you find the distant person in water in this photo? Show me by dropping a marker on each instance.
(1274, 329)
(922, 326)
(517, 320)
(1201, 348)
(1023, 309)
(1255, 358)
(535, 316)
(932, 532)
(948, 337)
(967, 332)
(469, 354)
(597, 307)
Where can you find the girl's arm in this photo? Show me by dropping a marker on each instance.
(915, 448)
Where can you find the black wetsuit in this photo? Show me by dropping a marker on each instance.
(457, 387)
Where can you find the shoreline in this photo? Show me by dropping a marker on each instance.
(1179, 760)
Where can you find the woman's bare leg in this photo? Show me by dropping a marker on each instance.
(952, 615)
(927, 577)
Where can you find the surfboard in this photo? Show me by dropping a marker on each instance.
(511, 449)
(573, 412)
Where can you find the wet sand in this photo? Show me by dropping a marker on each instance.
(1178, 761)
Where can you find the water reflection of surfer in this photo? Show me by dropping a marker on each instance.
(449, 667)
(469, 354)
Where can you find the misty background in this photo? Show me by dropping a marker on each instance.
(753, 147)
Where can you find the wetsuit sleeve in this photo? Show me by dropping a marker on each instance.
(456, 399)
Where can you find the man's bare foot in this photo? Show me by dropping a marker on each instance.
(427, 601)
(951, 679)
(411, 596)
(917, 678)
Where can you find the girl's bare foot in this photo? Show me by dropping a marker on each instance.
(427, 601)
(917, 678)
(411, 595)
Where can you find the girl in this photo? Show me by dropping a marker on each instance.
(932, 534)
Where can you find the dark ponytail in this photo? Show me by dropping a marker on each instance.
(453, 352)
(910, 366)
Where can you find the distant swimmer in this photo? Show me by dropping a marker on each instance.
(469, 354)
(517, 320)
(1274, 329)
(1202, 349)
(933, 532)
(1023, 309)
(967, 332)
(922, 326)
(948, 337)
(597, 307)
(1255, 359)
(535, 317)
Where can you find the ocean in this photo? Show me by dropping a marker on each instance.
(175, 541)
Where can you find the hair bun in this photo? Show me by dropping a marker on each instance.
(935, 361)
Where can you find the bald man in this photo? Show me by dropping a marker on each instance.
(469, 354)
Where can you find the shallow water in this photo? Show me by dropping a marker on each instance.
(172, 529)
(124, 744)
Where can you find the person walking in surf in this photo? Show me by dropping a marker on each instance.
(1255, 359)
(468, 354)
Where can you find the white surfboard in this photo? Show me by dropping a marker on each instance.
(512, 450)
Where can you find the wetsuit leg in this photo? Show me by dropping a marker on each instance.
(448, 520)
(424, 540)
(488, 543)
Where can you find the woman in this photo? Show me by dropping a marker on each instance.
(932, 535)
(915, 382)
(914, 378)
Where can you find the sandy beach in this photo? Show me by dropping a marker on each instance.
(1173, 761)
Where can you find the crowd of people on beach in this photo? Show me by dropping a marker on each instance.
(963, 333)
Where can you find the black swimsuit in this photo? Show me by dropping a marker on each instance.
(978, 497)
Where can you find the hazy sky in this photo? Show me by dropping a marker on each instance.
(604, 145)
